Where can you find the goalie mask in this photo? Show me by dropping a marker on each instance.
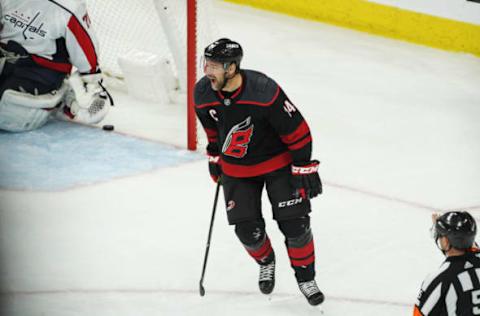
(459, 228)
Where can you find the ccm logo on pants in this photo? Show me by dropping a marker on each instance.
(290, 202)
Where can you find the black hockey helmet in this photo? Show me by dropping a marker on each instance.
(459, 228)
(224, 51)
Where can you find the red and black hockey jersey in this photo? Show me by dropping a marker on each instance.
(255, 129)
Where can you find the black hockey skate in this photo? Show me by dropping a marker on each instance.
(312, 292)
(266, 280)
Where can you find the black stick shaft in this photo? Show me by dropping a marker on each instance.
(207, 249)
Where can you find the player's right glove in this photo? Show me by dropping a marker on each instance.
(305, 179)
(214, 167)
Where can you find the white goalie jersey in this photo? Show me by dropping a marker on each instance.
(56, 33)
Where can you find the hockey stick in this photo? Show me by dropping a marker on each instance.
(202, 289)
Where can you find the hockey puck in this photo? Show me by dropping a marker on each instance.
(108, 128)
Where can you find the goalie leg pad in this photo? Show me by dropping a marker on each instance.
(21, 111)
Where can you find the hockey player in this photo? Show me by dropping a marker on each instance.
(256, 138)
(454, 289)
(40, 43)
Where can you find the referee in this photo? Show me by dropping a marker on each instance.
(454, 289)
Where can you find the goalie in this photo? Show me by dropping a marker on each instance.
(40, 43)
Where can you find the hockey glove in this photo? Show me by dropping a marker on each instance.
(305, 179)
(214, 167)
(93, 85)
(85, 100)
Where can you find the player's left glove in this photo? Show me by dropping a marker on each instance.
(305, 179)
(93, 85)
(214, 167)
(85, 99)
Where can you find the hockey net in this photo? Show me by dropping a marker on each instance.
(155, 31)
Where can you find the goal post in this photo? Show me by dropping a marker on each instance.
(171, 33)
(191, 73)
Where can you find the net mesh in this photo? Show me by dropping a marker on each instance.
(136, 24)
(153, 26)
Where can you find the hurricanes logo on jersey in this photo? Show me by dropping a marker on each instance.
(238, 138)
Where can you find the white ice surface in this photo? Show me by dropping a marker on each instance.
(395, 126)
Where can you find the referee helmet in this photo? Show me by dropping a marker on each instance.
(459, 228)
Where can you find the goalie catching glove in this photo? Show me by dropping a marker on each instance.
(305, 179)
(91, 111)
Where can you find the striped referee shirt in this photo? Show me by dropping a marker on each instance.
(453, 290)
